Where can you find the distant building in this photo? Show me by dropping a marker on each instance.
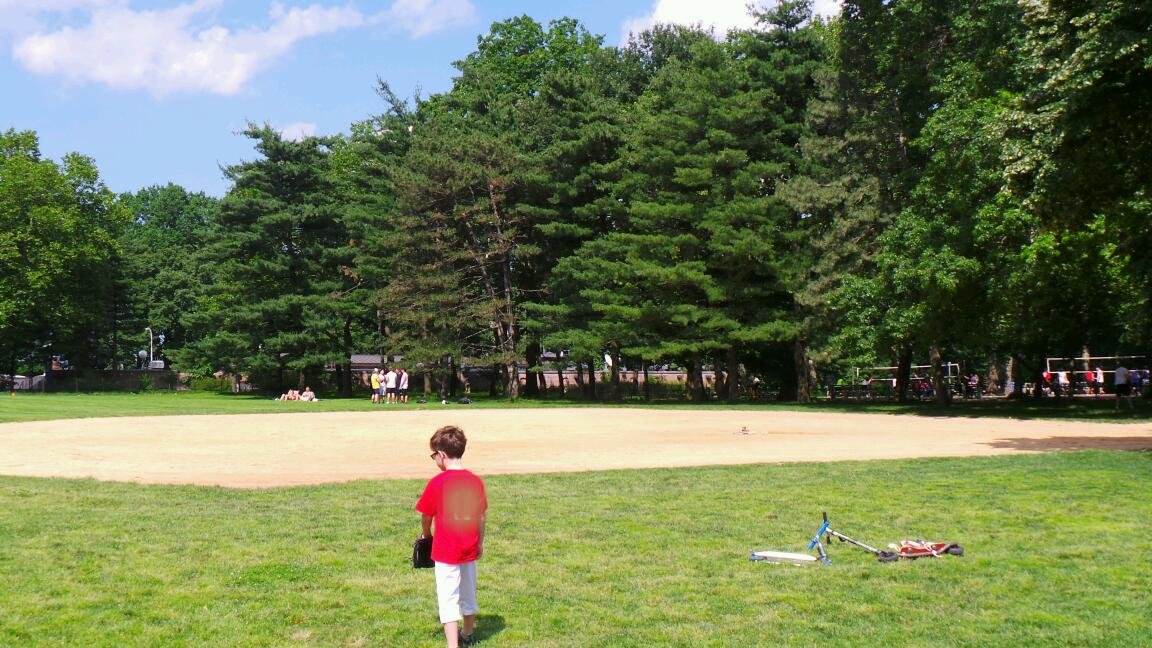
(366, 361)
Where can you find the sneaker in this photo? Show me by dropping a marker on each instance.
(470, 640)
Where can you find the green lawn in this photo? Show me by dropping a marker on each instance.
(1057, 555)
(31, 407)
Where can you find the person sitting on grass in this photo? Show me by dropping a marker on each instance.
(308, 395)
(291, 394)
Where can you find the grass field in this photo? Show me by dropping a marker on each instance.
(33, 407)
(1057, 555)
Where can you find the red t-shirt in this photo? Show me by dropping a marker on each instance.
(455, 499)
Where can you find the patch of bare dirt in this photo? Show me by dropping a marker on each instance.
(248, 451)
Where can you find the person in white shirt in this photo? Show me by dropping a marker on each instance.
(390, 385)
(1123, 382)
(402, 385)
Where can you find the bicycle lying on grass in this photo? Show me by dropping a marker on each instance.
(907, 549)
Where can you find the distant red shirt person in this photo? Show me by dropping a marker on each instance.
(455, 501)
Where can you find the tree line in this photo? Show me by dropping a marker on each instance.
(947, 180)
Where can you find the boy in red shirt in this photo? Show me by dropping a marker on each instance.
(456, 502)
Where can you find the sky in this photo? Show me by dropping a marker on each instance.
(158, 91)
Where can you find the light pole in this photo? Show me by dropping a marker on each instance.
(149, 329)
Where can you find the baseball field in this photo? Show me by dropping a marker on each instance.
(608, 527)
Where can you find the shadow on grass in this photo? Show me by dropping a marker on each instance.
(488, 626)
(1076, 443)
(1079, 409)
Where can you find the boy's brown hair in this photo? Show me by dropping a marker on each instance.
(449, 439)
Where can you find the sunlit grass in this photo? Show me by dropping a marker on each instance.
(1057, 554)
(32, 406)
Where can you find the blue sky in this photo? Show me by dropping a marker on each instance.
(156, 91)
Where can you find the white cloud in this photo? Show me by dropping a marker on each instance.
(719, 15)
(827, 8)
(22, 16)
(169, 50)
(423, 17)
(298, 131)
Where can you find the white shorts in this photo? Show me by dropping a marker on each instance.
(456, 591)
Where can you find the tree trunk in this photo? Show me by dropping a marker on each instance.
(592, 378)
(731, 374)
(696, 379)
(447, 374)
(803, 372)
(341, 382)
(580, 389)
(993, 378)
(943, 389)
(532, 374)
(903, 373)
(344, 370)
(1038, 381)
(647, 381)
(512, 380)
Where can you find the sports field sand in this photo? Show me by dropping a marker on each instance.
(248, 451)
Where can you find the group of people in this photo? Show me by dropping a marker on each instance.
(389, 386)
(1126, 383)
(1068, 383)
(306, 395)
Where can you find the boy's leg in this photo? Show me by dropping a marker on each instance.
(448, 579)
(468, 605)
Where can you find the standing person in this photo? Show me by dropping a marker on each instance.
(1123, 382)
(1099, 381)
(390, 385)
(456, 502)
(402, 385)
(375, 381)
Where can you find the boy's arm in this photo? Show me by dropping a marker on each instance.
(426, 525)
(480, 531)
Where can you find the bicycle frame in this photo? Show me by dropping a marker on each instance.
(828, 532)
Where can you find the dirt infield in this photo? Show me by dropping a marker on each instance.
(248, 451)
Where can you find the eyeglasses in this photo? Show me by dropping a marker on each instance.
(434, 455)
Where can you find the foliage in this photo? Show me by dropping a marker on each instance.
(286, 298)
(161, 274)
(1079, 153)
(962, 181)
(58, 252)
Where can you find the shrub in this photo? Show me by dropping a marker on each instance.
(210, 384)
